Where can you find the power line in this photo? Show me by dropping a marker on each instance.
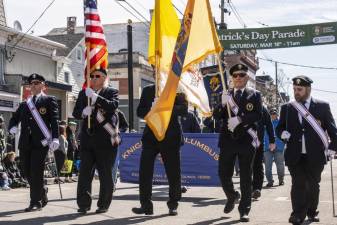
(236, 13)
(177, 9)
(37, 20)
(327, 91)
(146, 24)
(298, 65)
(141, 15)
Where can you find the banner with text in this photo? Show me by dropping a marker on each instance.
(279, 37)
(199, 160)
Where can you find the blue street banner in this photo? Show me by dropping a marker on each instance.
(199, 160)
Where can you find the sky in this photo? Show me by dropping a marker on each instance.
(254, 14)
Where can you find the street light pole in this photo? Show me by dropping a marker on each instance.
(130, 74)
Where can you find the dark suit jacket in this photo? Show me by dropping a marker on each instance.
(107, 103)
(315, 149)
(250, 113)
(31, 135)
(265, 124)
(173, 136)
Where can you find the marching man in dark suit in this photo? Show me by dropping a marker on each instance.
(238, 138)
(99, 142)
(304, 125)
(39, 132)
(169, 149)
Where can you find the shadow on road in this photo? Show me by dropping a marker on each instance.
(66, 219)
(207, 222)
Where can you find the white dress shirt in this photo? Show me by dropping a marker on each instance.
(307, 105)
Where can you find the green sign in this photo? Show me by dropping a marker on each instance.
(279, 37)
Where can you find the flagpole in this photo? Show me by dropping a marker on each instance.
(88, 78)
(223, 82)
(157, 78)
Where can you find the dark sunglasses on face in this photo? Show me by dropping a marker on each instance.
(95, 76)
(35, 82)
(239, 75)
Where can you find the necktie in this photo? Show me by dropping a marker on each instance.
(237, 95)
(34, 99)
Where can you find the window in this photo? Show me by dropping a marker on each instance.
(79, 54)
(66, 77)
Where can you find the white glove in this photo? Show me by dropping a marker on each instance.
(155, 100)
(13, 130)
(331, 154)
(54, 145)
(91, 94)
(272, 146)
(225, 98)
(285, 135)
(87, 111)
(233, 122)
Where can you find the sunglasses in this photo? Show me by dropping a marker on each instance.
(239, 75)
(35, 83)
(95, 76)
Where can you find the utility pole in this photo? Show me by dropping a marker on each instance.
(130, 74)
(276, 85)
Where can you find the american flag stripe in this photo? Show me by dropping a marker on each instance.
(95, 29)
(94, 38)
(94, 35)
(93, 23)
(94, 17)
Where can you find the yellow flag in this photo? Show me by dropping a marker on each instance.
(196, 40)
(204, 39)
(164, 30)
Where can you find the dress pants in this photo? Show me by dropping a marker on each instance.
(33, 161)
(101, 159)
(245, 154)
(305, 187)
(258, 169)
(171, 159)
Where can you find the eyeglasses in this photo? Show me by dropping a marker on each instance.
(95, 76)
(239, 75)
(35, 82)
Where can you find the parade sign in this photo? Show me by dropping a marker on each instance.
(199, 160)
(279, 37)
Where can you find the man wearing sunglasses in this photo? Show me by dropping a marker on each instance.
(238, 138)
(39, 132)
(308, 128)
(99, 141)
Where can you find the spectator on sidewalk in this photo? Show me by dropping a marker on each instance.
(14, 175)
(61, 152)
(4, 181)
(72, 148)
(274, 154)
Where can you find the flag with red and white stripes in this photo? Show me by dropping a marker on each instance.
(94, 38)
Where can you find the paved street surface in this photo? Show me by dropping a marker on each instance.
(199, 206)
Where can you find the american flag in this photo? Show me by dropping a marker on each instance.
(94, 38)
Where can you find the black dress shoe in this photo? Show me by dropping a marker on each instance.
(173, 212)
(313, 217)
(101, 210)
(141, 210)
(83, 210)
(256, 194)
(269, 185)
(295, 220)
(44, 199)
(33, 207)
(231, 202)
(244, 218)
(281, 182)
(183, 189)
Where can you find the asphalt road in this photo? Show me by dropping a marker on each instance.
(199, 206)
